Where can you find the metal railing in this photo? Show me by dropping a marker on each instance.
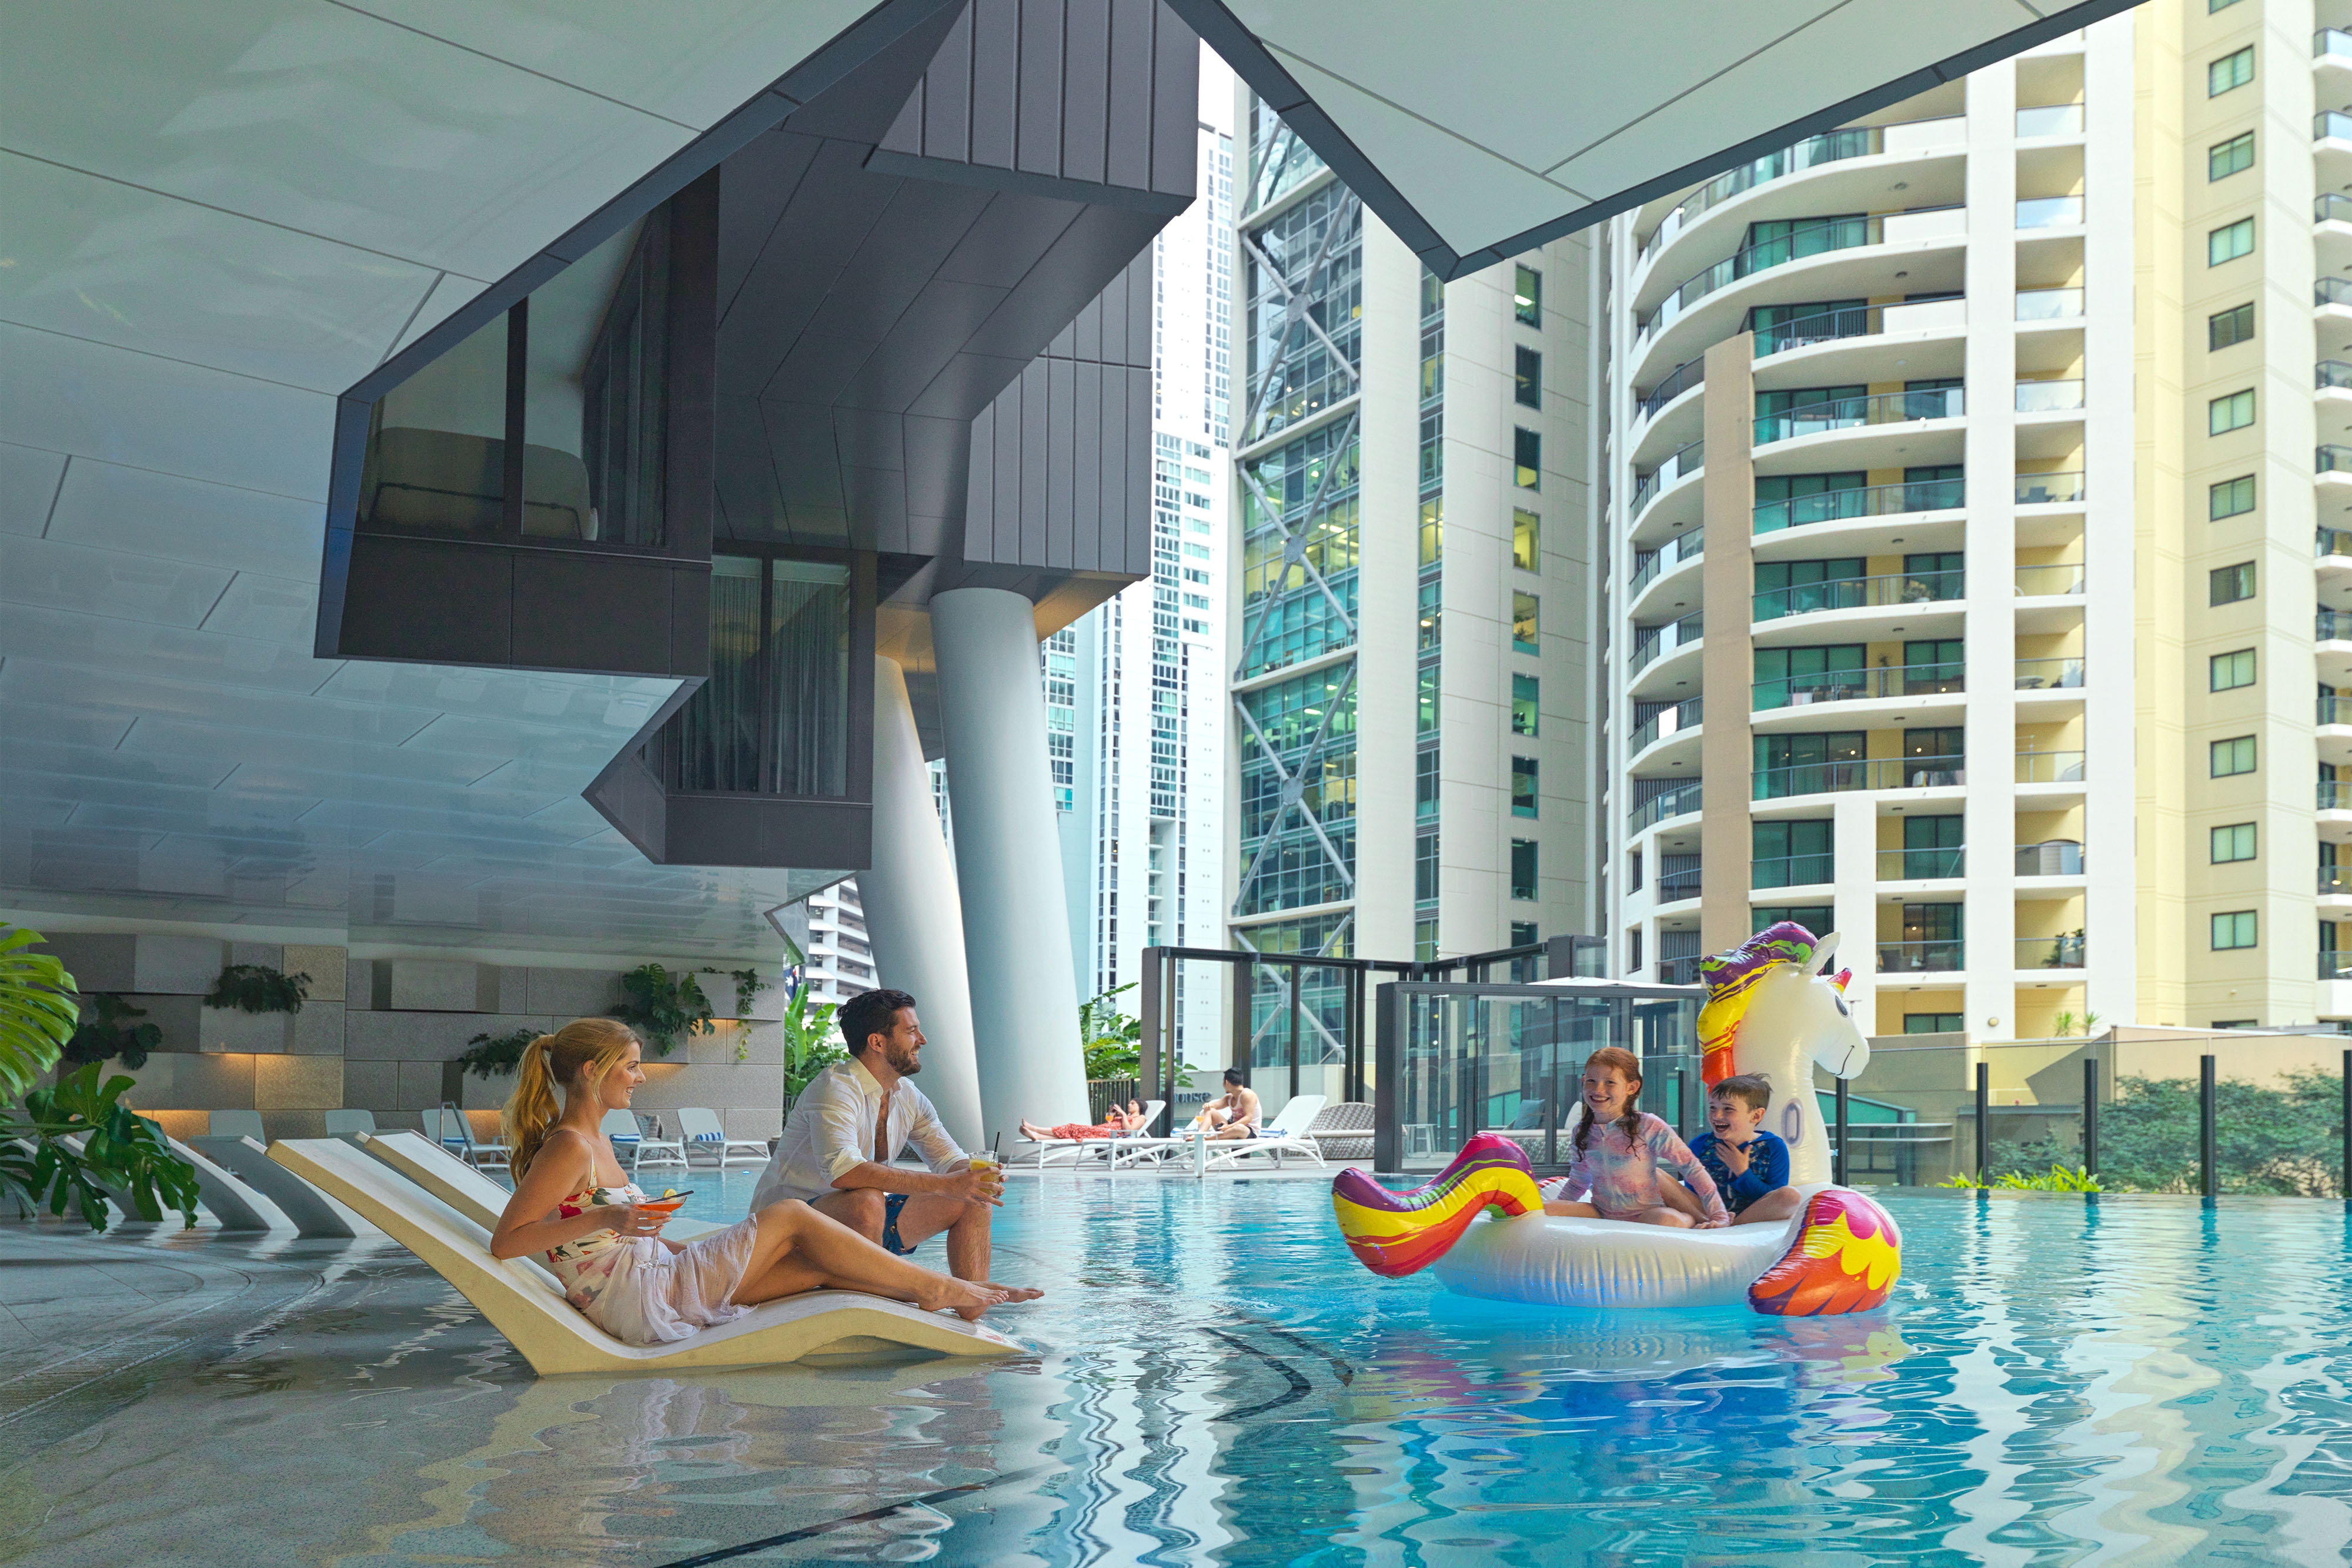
(1872, 773)
(1666, 722)
(2049, 397)
(1921, 958)
(1675, 885)
(1857, 685)
(1682, 969)
(1858, 593)
(2332, 291)
(2044, 581)
(2048, 675)
(1673, 466)
(1814, 238)
(1922, 866)
(1683, 546)
(1673, 803)
(1869, 501)
(2049, 212)
(2049, 304)
(2048, 490)
(2051, 857)
(2336, 794)
(2332, 459)
(2062, 951)
(2051, 119)
(1661, 640)
(1831, 147)
(2048, 768)
(2335, 964)
(2330, 625)
(2331, 125)
(1859, 321)
(1678, 381)
(1852, 413)
(2335, 881)
(1791, 871)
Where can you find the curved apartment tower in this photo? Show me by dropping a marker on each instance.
(1922, 625)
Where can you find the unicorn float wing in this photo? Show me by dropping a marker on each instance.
(1771, 1010)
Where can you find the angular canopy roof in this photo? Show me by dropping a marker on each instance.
(1477, 128)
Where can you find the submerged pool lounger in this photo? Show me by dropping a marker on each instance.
(521, 1301)
(248, 1162)
(465, 1188)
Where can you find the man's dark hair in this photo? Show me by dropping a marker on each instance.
(1752, 1090)
(1234, 1076)
(869, 1013)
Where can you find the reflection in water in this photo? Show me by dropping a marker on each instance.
(2056, 1382)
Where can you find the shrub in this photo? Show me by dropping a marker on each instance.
(662, 1005)
(258, 988)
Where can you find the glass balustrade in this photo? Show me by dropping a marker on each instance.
(2332, 41)
(1676, 466)
(2332, 459)
(1817, 237)
(2335, 794)
(1921, 958)
(2332, 291)
(2336, 882)
(2048, 768)
(1874, 773)
(1922, 866)
(1791, 871)
(1857, 685)
(2051, 119)
(1859, 593)
(2049, 397)
(1678, 885)
(2331, 207)
(1680, 970)
(2062, 951)
(2048, 490)
(1868, 501)
(1683, 546)
(1848, 412)
(2331, 125)
(2048, 675)
(1678, 381)
(2049, 212)
(1666, 722)
(2335, 710)
(2333, 542)
(2335, 964)
(2331, 625)
(2049, 304)
(2040, 581)
(2332, 374)
(1674, 802)
(1658, 641)
(1854, 141)
(2052, 857)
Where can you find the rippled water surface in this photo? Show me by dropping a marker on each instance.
(2143, 1380)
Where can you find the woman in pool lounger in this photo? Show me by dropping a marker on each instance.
(602, 1239)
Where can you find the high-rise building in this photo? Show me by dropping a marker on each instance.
(1410, 674)
(1959, 576)
(839, 962)
(1132, 688)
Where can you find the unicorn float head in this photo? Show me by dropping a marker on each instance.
(1773, 1009)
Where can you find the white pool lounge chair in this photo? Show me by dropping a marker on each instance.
(520, 1302)
(699, 1131)
(654, 1149)
(1070, 1152)
(621, 1128)
(232, 1124)
(1286, 1133)
(466, 1189)
(450, 1127)
(349, 1124)
(234, 1205)
(305, 1207)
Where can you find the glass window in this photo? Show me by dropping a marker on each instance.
(1526, 539)
(1426, 700)
(1526, 458)
(1932, 1023)
(1527, 367)
(1432, 613)
(1786, 854)
(1523, 934)
(1424, 939)
(2230, 242)
(1789, 765)
(2234, 412)
(773, 718)
(1523, 786)
(1830, 673)
(2232, 70)
(1932, 846)
(2231, 498)
(2224, 159)
(2213, 5)
(1526, 297)
(1817, 918)
(1524, 706)
(1524, 631)
(1523, 868)
(1792, 500)
(1424, 784)
(2228, 584)
(2224, 329)
(1424, 869)
(2232, 757)
(2228, 672)
(1432, 530)
(2233, 842)
(2237, 929)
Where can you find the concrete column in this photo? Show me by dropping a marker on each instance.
(1024, 1004)
(912, 915)
(1853, 838)
(1727, 756)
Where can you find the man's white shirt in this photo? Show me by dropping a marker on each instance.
(830, 1131)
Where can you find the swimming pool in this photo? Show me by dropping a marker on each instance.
(2146, 1379)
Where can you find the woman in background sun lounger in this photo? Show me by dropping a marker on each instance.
(602, 1239)
(1115, 1123)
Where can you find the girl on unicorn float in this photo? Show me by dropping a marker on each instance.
(1619, 1149)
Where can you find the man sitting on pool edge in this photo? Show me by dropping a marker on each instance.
(841, 1141)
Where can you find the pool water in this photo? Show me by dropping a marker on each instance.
(2137, 1380)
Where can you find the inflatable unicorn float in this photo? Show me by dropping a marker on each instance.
(1771, 1009)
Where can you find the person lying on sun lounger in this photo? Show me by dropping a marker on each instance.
(602, 1236)
(1235, 1114)
(1115, 1121)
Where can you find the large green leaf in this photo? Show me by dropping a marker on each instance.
(37, 1011)
(119, 1150)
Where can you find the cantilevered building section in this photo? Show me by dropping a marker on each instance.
(1409, 661)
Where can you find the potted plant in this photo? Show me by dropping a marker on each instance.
(661, 1006)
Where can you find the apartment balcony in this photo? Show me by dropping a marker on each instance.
(2332, 552)
(1654, 643)
(1942, 864)
(1921, 958)
(2331, 134)
(1899, 591)
(1680, 970)
(1867, 684)
(1686, 377)
(2058, 579)
(2038, 214)
(2050, 397)
(2049, 675)
(2049, 120)
(2331, 230)
(2335, 881)
(2050, 768)
(1682, 801)
(2334, 795)
(2049, 306)
(2050, 489)
(1680, 720)
(1792, 871)
(2332, 46)
(2051, 857)
(1867, 431)
(1837, 342)
(1679, 466)
(1868, 501)
(2335, 964)
(2063, 950)
(2331, 297)
(1873, 773)
(2334, 712)
(1831, 258)
(1674, 886)
(1677, 552)
(2332, 626)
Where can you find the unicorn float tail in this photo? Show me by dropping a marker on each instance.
(1846, 1257)
(1398, 1233)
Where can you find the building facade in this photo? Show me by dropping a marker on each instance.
(1960, 576)
(1409, 672)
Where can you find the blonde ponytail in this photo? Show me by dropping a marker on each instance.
(576, 1056)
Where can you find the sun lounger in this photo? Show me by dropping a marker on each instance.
(303, 1205)
(1286, 1133)
(234, 1125)
(699, 1130)
(1071, 1151)
(467, 1190)
(234, 1205)
(349, 1124)
(520, 1302)
(652, 1147)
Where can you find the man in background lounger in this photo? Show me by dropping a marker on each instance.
(1235, 1114)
